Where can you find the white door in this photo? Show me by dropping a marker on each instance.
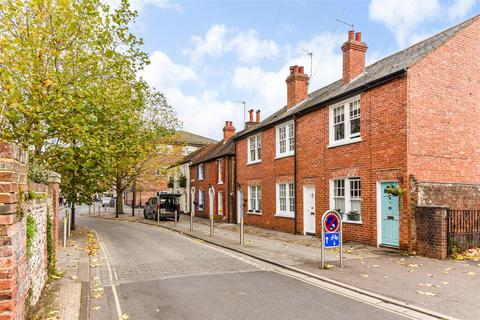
(239, 205)
(308, 209)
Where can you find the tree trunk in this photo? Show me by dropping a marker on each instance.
(119, 188)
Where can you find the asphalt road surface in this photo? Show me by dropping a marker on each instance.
(151, 273)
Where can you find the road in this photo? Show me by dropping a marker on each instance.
(152, 273)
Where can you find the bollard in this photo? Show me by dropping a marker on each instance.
(158, 216)
(89, 210)
(65, 231)
(242, 233)
(211, 226)
(94, 211)
(176, 217)
(191, 221)
(69, 222)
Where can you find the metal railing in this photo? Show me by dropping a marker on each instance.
(463, 229)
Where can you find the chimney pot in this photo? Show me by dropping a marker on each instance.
(300, 69)
(257, 114)
(250, 112)
(292, 70)
(351, 34)
(358, 37)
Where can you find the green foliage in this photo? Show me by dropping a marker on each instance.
(31, 232)
(37, 173)
(395, 190)
(51, 259)
(71, 94)
(32, 195)
(171, 182)
(183, 181)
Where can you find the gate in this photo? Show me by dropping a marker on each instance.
(463, 229)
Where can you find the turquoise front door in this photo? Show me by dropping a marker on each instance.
(390, 216)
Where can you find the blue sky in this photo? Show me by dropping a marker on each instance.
(207, 54)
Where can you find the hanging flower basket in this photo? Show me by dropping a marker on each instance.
(182, 181)
(394, 191)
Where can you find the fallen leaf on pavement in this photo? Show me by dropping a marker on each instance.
(444, 283)
(364, 275)
(471, 273)
(431, 285)
(123, 317)
(385, 277)
(73, 277)
(413, 265)
(52, 313)
(375, 266)
(430, 275)
(329, 266)
(426, 293)
(411, 270)
(96, 308)
(54, 276)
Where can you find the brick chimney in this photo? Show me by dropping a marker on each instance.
(297, 86)
(353, 56)
(228, 130)
(250, 121)
(257, 116)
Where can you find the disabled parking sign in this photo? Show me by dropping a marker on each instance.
(331, 233)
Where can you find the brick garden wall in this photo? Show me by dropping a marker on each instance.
(21, 276)
(431, 231)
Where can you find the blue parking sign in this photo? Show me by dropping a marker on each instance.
(332, 240)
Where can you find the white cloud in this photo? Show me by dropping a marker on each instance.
(142, 4)
(404, 18)
(204, 113)
(459, 8)
(219, 39)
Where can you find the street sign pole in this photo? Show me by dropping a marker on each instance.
(191, 220)
(242, 232)
(176, 217)
(211, 225)
(331, 234)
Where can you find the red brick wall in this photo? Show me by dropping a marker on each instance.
(211, 179)
(381, 155)
(444, 111)
(431, 231)
(266, 173)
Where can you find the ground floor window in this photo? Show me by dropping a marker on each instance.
(220, 203)
(201, 200)
(285, 199)
(346, 198)
(255, 199)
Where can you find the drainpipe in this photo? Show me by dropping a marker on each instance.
(228, 198)
(234, 188)
(295, 168)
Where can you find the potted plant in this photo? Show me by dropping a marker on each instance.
(394, 191)
(170, 182)
(182, 181)
(353, 216)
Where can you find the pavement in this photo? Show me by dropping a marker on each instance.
(145, 272)
(73, 264)
(446, 287)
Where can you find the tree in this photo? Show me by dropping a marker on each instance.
(69, 87)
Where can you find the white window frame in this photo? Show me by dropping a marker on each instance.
(289, 139)
(255, 198)
(289, 211)
(348, 136)
(258, 146)
(348, 198)
(220, 171)
(201, 200)
(220, 203)
(201, 171)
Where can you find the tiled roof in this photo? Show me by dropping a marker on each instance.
(219, 150)
(394, 64)
(195, 154)
(191, 138)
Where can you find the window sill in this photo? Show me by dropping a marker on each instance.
(254, 213)
(344, 142)
(285, 215)
(220, 183)
(253, 162)
(351, 222)
(280, 156)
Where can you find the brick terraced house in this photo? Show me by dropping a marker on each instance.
(212, 179)
(358, 144)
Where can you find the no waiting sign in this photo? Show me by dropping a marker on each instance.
(331, 222)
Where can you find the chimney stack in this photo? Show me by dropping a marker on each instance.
(228, 130)
(257, 116)
(297, 86)
(353, 56)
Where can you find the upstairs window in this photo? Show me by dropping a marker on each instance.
(345, 122)
(254, 149)
(220, 171)
(201, 171)
(285, 139)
